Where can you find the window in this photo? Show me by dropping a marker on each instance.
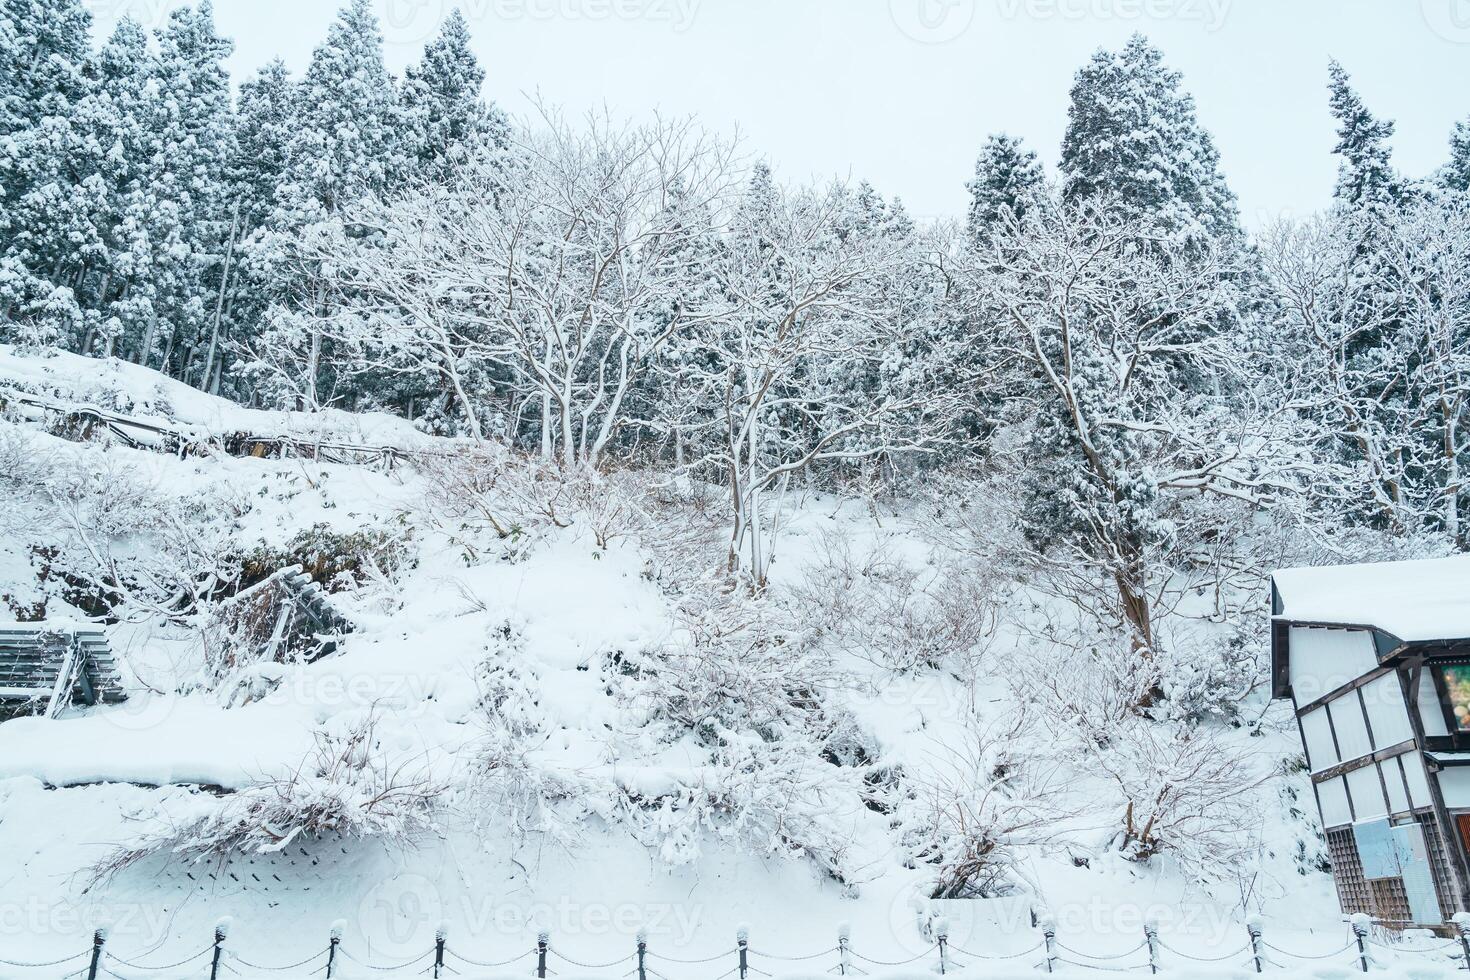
(1456, 679)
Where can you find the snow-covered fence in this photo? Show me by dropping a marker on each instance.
(746, 960)
(80, 423)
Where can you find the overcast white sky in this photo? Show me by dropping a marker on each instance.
(903, 92)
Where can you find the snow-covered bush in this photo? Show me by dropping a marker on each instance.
(124, 543)
(736, 667)
(490, 496)
(346, 787)
(973, 818)
(1213, 675)
(895, 613)
(510, 795)
(1185, 792)
(337, 560)
(773, 769)
(1084, 680)
(769, 798)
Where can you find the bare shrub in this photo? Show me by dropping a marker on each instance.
(973, 819)
(894, 613)
(1185, 792)
(736, 666)
(495, 494)
(1084, 679)
(345, 787)
(772, 799)
(112, 534)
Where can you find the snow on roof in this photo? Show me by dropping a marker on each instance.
(1422, 600)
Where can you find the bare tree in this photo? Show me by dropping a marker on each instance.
(554, 272)
(788, 375)
(1133, 396)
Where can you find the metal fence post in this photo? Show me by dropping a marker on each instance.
(1253, 926)
(844, 953)
(99, 940)
(221, 932)
(439, 936)
(1048, 927)
(941, 936)
(1462, 921)
(543, 941)
(742, 944)
(338, 928)
(642, 953)
(1151, 937)
(1360, 921)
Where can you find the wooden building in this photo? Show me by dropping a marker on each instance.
(1376, 660)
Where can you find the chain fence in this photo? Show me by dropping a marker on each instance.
(337, 961)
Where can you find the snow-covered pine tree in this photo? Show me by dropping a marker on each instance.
(1132, 134)
(442, 104)
(44, 46)
(1006, 176)
(1456, 174)
(120, 118)
(264, 125)
(347, 144)
(195, 130)
(348, 125)
(47, 219)
(1365, 175)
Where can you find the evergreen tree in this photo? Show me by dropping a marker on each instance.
(120, 117)
(49, 206)
(264, 127)
(1006, 176)
(1132, 133)
(44, 45)
(195, 129)
(347, 126)
(1365, 175)
(1456, 175)
(346, 144)
(442, 102)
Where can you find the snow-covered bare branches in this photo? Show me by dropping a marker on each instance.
(345, 788)
(1185, 793)
(1137, 396)
(537, 284)
(803, 366)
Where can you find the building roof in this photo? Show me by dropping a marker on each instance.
(1416, 601)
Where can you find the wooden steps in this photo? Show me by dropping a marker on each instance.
(44, 669)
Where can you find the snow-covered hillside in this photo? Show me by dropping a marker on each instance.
(573, 724)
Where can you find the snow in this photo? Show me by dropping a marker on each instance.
(1417, 601)
(557, 608)
(182, 740)
(114, 385)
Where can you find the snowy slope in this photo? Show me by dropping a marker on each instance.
(559, 614)
(120, 386)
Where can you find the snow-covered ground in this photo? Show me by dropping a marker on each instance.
(559, 616)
